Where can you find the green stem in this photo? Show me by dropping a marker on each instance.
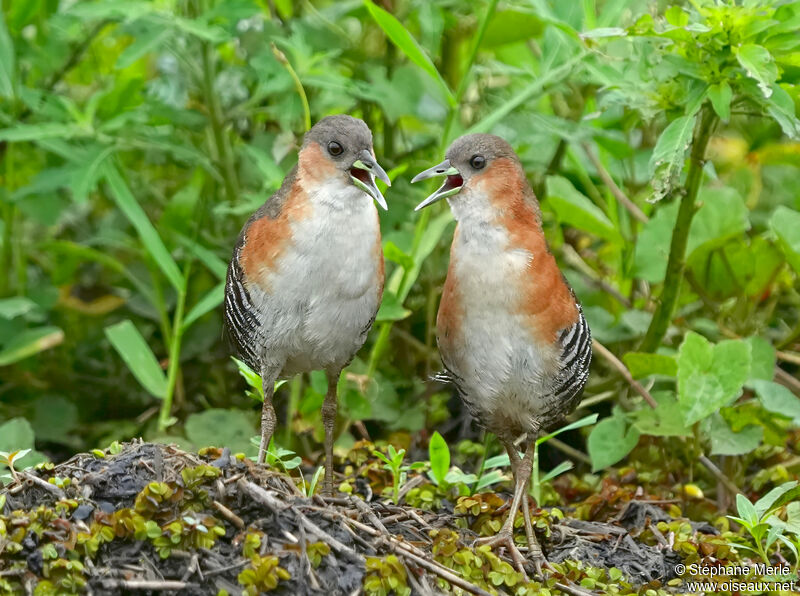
(174, 354)
(680, 236)
(298, 85)
(217, 126)
(462, 85)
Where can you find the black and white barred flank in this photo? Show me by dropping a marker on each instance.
(241, 326)
(576, 356)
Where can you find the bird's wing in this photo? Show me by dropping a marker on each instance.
(240, 324)
(576, 354)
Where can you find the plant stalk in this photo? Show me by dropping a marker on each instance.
(174, 354)
(680, 236)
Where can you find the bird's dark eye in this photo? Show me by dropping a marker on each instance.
(477, 161)
(335, 148)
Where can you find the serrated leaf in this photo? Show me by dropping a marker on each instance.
(759, 65)
(666, 163)
(138, 356)
(664, 421)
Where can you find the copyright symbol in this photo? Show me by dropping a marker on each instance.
(680, 568)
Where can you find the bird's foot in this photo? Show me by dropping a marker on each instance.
(505, 538)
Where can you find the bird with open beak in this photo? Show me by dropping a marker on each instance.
(306, 277)
(511, 334)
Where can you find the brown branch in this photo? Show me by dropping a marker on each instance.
(790, 357)
(719, 475)
(229, 515)
(623, 370)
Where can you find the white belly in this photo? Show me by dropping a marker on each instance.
(502, 367)
(326, 288)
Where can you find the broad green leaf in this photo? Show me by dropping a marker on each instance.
(611, 440)
(664, 421)
(45, 130)
(720, 95)
(778, 399)
(30, 342)
(16, 434)
(439, 455)
(145, 42)
(136, 215)
(785, 223)
(16, 306)
(206, 304)
(775, 498)
(781, 107)
(762, 361)
(54, 419)
(724, 441)
(564, 466)
(644, 364)
(8, 61)
(222, 428)
(666, 163)
(652, 247)
(722, 215)
(710, 376)
(408, 45)
(759, 65)
(511, 26)
(746, 510)
(391, 309)
(133, 349)
(576, 210)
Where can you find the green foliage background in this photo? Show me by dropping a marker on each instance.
(137, 137)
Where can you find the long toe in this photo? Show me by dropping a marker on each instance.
(505, 539)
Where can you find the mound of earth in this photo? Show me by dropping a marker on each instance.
(146, 518)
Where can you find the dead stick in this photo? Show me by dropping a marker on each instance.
(140, 584)
(229, 515)
(623, 370)
(791, 357)
(51, 488)
(263, 497)
(719, 475)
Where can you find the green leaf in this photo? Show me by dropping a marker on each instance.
(722, 216)
(564, 466)
(777, 497)
(17, 435)
(510, 26)
(720, 95)
(16, 306)
(666, 163)
(664, 421)
(85, 176)
(8, 61)
(45, 130)
(778, 399)
(408, 45)
(710, 376)
(393, 253)
(133, 349)
(652, 247)
(391, 309)
(644, 364)
(575, 209)
(610, 441)
(762, 362)
(136, 215)
(30, 342)
(221, 428)
(724, 441)
(142, 44)
(746, 510)
(439, 455)
(759, 65)
(781, 107)
(207, 303)
(580, 423)
(785, 223)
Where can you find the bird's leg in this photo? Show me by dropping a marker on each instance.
(513, 456)
(268, 418)
(505, 537)
(329, 409)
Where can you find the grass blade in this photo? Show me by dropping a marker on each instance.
(133, 211)
(141, 361)
(206, 304)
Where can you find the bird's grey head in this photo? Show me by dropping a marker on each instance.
(346, 143)
(467, 157)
